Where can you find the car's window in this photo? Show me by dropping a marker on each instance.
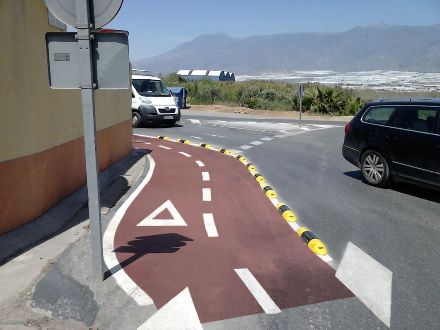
(419, 119)
(379, 115)
(150, 87)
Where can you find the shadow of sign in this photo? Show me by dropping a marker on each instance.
(140, 246)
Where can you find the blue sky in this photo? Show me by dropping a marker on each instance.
(158, 26)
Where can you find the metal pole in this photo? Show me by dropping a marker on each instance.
(300, 103)
(88, 105)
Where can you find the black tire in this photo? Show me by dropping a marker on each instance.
(375, 169)
(171, 123)
(136, 119)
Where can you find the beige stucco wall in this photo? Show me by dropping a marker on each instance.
(33, 116)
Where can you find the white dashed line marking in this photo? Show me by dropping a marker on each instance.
(205, 176)
(206, 194)
(245, 147)
(163, 147)
(199, 163)
(256, 143)
(196, 137)
(195, 121)
(184, 154)
(280, 136)
(267, 139)
(260, 295)
(211, 229)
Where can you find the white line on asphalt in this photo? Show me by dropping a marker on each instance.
(164, 147)
(214, 135)
(368, 279)
(256, 143)
(147, 142)
(195, 121)
(178, 313)
(112, 263)
(206, 194)
(267, 139)
(185, 154)
(245, 147)
(198, 162)
(279, 136)
(260, 295)
(205, 176)
(196, 137)
(211, 229)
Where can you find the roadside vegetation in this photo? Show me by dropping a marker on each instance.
(281, 96)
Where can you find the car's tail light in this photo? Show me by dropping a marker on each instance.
(347, 128)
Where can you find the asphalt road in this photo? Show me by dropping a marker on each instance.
(399, 227)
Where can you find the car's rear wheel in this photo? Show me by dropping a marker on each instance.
(136, 119)
(375, 168)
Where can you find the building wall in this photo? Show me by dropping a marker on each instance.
(41, 134)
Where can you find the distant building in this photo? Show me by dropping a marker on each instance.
(191, 75)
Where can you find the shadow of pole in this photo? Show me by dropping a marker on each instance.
(140, 246)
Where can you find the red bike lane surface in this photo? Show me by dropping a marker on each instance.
(163, 261)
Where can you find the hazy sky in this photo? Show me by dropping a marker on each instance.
(159, 26)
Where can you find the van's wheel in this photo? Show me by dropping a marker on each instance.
(136, 119)
(375, 168)
(171, 123)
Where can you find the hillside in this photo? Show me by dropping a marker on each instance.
(382, 47)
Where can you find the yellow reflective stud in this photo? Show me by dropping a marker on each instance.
(243, 160)
(187, 142)
(260, 178)
(252, 167)
(318, 247)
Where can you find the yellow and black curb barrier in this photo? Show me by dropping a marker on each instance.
(286, 212)
(225, 151)
(310, 239)
(206, 146)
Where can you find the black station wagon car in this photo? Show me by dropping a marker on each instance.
(396, 139)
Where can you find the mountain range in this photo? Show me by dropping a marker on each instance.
(380, 47)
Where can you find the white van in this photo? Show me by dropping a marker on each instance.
(152, 102)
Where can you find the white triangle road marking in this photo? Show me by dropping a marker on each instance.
(151, 221)
(178, 313)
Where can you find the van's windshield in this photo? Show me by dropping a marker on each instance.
(149, 87)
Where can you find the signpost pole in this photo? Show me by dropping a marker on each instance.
(300, 94)
(88, 105)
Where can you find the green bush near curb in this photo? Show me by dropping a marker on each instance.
(271, 95)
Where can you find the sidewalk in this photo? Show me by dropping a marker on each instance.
(33, 250)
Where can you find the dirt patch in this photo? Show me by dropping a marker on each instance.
(213, 108)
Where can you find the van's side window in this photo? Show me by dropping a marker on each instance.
(419, 119)
(132, 95)
(379, 115)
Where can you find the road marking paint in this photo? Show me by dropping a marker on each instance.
(184, 154)
(304, 128)
(205, 176)
(178, 313)
(211, 229)
(195, 121)
(214, 135)
(112, 263)
(164, 147)
(206, 194)
(368, 279)
(175, 221)
(279, 136)
(196, 137)
(267, 139)
(199, 163)
(256, 143)
(147, 142)
(260, 295)
(245, 147)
